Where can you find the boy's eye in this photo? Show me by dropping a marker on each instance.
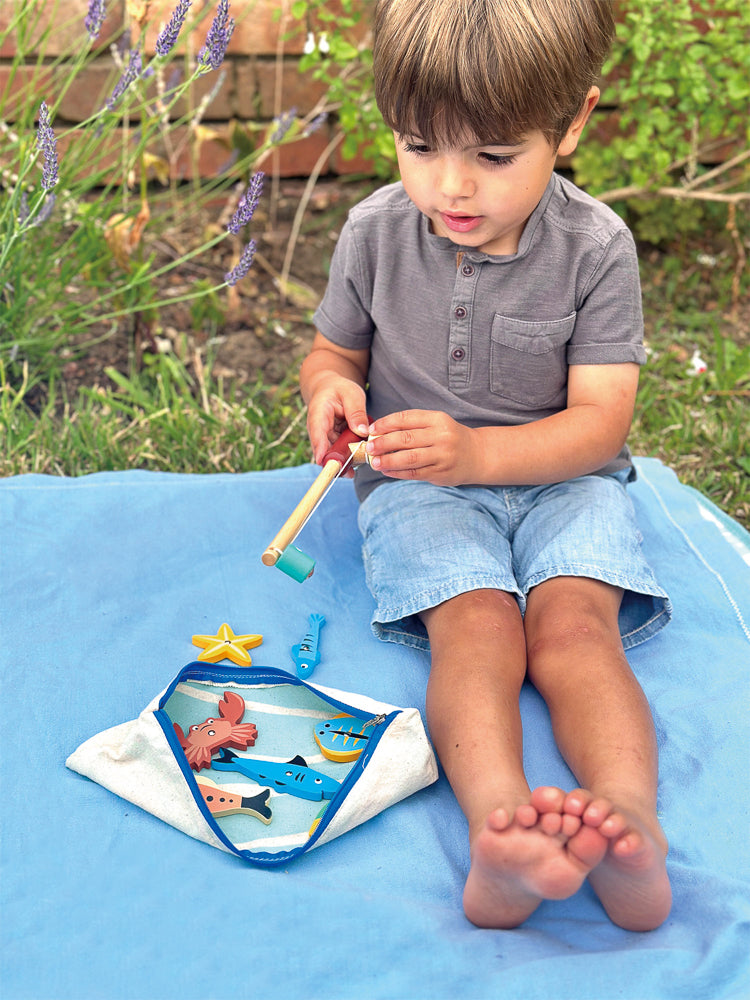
(416, 147)
(498, 160)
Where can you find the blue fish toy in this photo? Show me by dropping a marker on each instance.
(305, 654)
(294, 777)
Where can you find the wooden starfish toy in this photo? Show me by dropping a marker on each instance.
(226, 645)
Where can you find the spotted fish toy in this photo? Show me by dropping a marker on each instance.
(222, 802)
(343, 738)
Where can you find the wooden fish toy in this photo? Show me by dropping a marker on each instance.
(224, 803)
(293, 777)
(343, 738)
(306, 654)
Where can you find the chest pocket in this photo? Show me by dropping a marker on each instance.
(528, 362)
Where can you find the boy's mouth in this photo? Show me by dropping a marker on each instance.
(460, 223)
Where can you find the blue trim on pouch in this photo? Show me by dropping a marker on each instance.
(197, 671)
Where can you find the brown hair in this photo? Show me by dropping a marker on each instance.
(490, 69)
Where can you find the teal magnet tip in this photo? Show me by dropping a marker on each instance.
(295, 564)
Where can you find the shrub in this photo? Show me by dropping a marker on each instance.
(74, 250)
(678, 74)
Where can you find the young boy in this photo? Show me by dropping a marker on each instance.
(486, 314)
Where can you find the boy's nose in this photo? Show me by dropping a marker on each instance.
(455, 181)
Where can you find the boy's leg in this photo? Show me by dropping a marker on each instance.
(478, 667)
(519, 855)
(604, 730)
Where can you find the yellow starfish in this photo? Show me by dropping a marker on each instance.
(226, 645)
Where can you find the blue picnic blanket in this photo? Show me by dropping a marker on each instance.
(105, 578)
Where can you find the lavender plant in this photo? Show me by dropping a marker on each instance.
(75, 255)
(211, 55)
(95, 19)
(168, 36)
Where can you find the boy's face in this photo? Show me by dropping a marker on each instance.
(480, 196)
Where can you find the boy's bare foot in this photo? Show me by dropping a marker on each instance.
(517, 861)
(631, 881)
(548, 848)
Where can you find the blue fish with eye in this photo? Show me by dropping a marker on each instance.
(294, 777)
(306, 654)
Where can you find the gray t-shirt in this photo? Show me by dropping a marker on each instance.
(486, 339)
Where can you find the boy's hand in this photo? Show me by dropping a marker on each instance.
(424, 444)
(332, 380)
(336, 404)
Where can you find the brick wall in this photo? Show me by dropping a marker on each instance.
(260, 75)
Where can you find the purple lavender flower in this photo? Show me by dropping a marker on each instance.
(47, 145)
(46, 210)
(282, 124)
(175, 78)
(168, 37)
(247, 204)
(95, 18)
(23, 210)
(25, 217)
(243, 266)
(212, 54)
(315, 124)
(132, 72)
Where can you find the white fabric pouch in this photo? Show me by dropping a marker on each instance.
(260, 763)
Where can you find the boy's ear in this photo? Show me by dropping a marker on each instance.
(570, 140)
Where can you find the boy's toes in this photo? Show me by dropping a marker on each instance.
(577, 802)
(570, 825)
(628, 845)
(498, 820)
(526, 816)
(588, 846)
(597, 812)
(591, 810)
(614, 826)
(547, 799)
(551, 823)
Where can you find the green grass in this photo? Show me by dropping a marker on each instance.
(159, 420)
(162, 421)
(165, 419)
(698, 423)
(697, 429)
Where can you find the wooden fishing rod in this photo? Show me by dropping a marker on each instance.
(347, 450)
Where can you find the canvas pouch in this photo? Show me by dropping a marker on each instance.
(279, 795)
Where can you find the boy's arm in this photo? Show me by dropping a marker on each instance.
(429, 445)
(332, 380)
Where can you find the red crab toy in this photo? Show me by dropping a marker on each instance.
(205, 737)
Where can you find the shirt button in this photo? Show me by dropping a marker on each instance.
(467, 270)
(459, 312)
(458, 354)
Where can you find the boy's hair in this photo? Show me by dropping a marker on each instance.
(493, 70)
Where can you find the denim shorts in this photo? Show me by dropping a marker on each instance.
(424, 544)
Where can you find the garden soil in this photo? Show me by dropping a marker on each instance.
(245, 334)
(254, 332)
